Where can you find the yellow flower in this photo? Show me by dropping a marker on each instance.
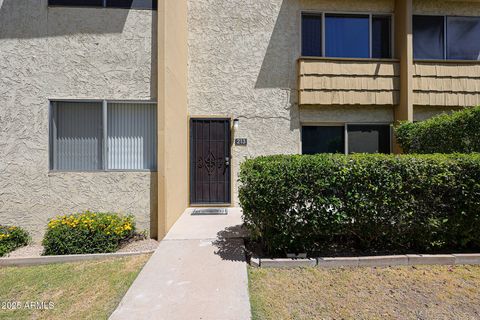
(4, 236)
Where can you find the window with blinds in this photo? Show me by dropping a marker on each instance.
(131, 137)
(93, 136)
(124, 4)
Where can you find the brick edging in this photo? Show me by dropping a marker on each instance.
(34, 261)
(374, 261)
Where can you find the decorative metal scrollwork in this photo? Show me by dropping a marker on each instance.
(210, 163)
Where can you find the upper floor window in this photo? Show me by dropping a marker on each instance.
(347, 35)
(126, 4)
(442, 37)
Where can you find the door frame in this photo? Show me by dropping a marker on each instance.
(189, 155)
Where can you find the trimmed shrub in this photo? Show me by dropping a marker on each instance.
(87, 232)
(12, 238)
(372, 202)
(446, 133)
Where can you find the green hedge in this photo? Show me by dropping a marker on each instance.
(373, 202)
(87, 232)
(11, 238)
(446, 133)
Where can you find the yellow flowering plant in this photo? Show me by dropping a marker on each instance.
(11, 238)
(87, 232)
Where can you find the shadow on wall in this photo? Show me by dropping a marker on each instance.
(279, 66)
(24, 19)
(278, 70)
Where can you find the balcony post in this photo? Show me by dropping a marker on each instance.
(404, 52)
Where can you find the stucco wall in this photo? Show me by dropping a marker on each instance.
(243, 63)
(450, 7)
(54, 53)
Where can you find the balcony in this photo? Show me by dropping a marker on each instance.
(327, 81)
(446, 83)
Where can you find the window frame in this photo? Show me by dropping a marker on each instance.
(104, 6)
(346, 13)
(445, 38)
(345, 125)
(52, 134)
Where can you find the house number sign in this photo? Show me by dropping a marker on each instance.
(241, 142)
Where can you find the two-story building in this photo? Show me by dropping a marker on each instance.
(144, 108)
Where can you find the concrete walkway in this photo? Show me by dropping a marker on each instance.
(197, 272)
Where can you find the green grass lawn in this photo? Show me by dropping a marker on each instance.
(85, 290)
(425, 292)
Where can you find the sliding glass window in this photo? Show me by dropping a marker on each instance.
(381, 37)
(463, 38)
(312, 35)
(94, 136)
(442, 37)
(347, 35)
(350, 138)
(323, 139)
(428, 37)
(368, 138)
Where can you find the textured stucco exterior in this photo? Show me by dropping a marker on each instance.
(243, 64)
(216, 58)
(448, 7)
(68, 53)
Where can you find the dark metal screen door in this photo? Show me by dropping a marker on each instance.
(210, 161)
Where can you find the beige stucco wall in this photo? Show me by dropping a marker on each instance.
(172, 116)
(425, 112)
(54, 53)
(450, 7)
(346, 114)
(243, 64)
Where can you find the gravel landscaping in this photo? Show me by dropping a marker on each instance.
(36, 250)
(141, 245)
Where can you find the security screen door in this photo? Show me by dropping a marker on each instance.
(210, 161)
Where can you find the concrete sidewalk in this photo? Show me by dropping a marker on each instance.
(197, 272)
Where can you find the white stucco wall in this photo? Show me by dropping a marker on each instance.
(76, 53)
(242, 63)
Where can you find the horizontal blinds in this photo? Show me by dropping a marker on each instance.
(79, 136)
(131, 136)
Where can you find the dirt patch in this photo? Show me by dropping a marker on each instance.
(140, 245)
(32, 250)
(426, 292)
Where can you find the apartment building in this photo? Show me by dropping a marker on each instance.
(144, 108)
